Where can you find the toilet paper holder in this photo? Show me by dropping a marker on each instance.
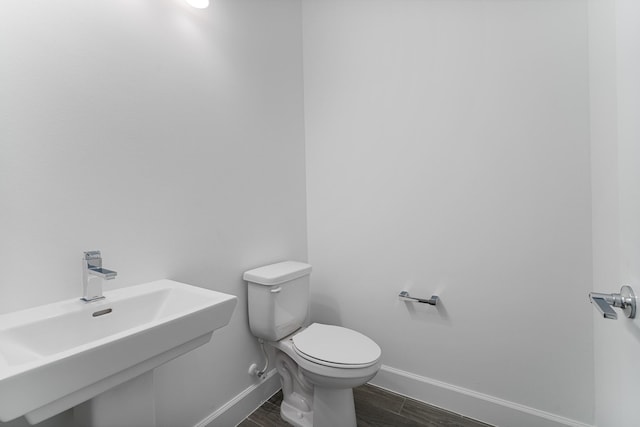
(404, 295)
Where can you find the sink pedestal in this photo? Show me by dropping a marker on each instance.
(129, 404)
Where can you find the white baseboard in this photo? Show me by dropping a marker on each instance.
(238, 408)
(479, 406)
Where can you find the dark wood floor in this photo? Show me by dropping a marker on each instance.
(375, 407)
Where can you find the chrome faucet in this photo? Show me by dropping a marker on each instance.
(93, 275)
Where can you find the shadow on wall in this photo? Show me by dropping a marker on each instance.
(427, 313)
(634, 329)
(324, 309)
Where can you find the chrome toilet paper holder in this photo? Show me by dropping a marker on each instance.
(404, 295)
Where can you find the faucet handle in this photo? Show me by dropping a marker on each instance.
(93, 259)
(91, 255)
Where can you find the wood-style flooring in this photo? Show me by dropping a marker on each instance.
(375, 407)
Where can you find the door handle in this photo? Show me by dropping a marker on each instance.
(626, 300)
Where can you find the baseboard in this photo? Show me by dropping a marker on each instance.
(238, 408)
(479, 406)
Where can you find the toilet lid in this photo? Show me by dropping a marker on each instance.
(336, 345)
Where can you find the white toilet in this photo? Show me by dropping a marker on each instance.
(318, 364)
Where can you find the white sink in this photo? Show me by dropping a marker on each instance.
(55, 356)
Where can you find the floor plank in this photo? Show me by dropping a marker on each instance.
(420, 412)
(368, 414)
(248, 423)
(268, 415)
(380, 397)
(276, 399)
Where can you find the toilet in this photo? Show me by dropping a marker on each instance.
(318, 364)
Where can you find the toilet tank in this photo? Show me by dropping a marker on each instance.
(278, 299)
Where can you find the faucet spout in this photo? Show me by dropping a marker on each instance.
(93, 276)
(103, 273)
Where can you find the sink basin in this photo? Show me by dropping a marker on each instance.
(55, 356)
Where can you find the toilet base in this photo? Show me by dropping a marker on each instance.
(333, 407)
(295, 416)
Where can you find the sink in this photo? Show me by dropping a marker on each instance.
(56, 356)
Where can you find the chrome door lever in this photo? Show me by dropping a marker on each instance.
(603, 307)
(626, 300)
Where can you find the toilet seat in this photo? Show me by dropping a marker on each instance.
(336, 346)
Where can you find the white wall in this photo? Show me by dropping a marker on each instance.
(448, 153)
(169, 138)
(615, 92)
(605, 201)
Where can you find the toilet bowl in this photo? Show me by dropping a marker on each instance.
(318, 364)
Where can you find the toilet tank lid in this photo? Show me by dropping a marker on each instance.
(276, 274)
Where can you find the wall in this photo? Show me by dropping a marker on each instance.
(614, 65)
(605, 201)
(448, 153)
(171, 139)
